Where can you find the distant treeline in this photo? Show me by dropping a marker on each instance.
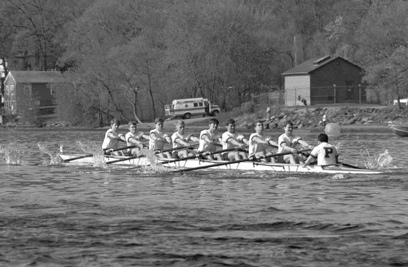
(127, 58)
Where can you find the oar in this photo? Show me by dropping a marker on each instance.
(124, 159)
(284, 153)
(177, 148)
(232, 162)
(349, 165)
(200, 153)
(90, 155)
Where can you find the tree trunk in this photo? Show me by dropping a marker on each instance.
(150, 88)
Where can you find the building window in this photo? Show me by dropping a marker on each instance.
(12, 92)
(13, 107)
(27, 89)
(49, 87)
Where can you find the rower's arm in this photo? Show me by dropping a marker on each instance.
(153, 137)
(272, 143)
(245, 141)
(304, 144)
(234, 142)
(287, 148)
(181, 142)
(206, 139)
(307, 162)
(194, 139)
(119, 137)
(258, 140)
(134, 141)
(167, 138)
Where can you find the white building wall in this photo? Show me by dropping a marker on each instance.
(296, 89)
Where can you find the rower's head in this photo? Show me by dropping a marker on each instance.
(213, 123)
(231, 125)
(132, 126)
(114, 124)
(288, 127)
(323, 138)
(259, 127)
(180, 126)
(159, 123)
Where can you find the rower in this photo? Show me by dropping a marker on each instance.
(258, 143)
(112, 138)
(287, 142)
(325, 153)
(230, 139)
(134, 138)
(182, 140)
(158, 138)
(209, 139)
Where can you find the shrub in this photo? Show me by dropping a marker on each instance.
(248, 107)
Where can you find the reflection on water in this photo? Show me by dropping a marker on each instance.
(53, 215)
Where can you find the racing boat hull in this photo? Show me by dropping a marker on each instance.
(243, 166)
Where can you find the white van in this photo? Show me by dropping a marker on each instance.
(188, 107)
(402, 101)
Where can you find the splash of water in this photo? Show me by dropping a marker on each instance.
(153, 167)
(338, 146)
(379, 161)
(96, 151)
(12, 154)
(150, 155)
(54, 160)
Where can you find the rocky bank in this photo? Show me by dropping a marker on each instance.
(311, 117)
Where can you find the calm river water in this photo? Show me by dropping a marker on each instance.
(83, 216)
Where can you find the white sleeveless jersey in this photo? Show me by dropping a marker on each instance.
(255, 147)
(157, 144)
(206, 146)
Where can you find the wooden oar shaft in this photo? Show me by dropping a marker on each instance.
(349, 165)
(283, 153)
(201, 153)
(233, 162)
(122, 148)
(80, 157)
(105, 149)
(178, 148)
(125, 159)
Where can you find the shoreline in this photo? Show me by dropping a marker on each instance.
(375, 128)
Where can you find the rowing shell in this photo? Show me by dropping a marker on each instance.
(243, 166)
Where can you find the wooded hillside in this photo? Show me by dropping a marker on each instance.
(127, 58)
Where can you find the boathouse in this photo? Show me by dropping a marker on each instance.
(326, 80)
(22, 88)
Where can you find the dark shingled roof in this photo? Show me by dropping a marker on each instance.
(312, 64)
(37, 76)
